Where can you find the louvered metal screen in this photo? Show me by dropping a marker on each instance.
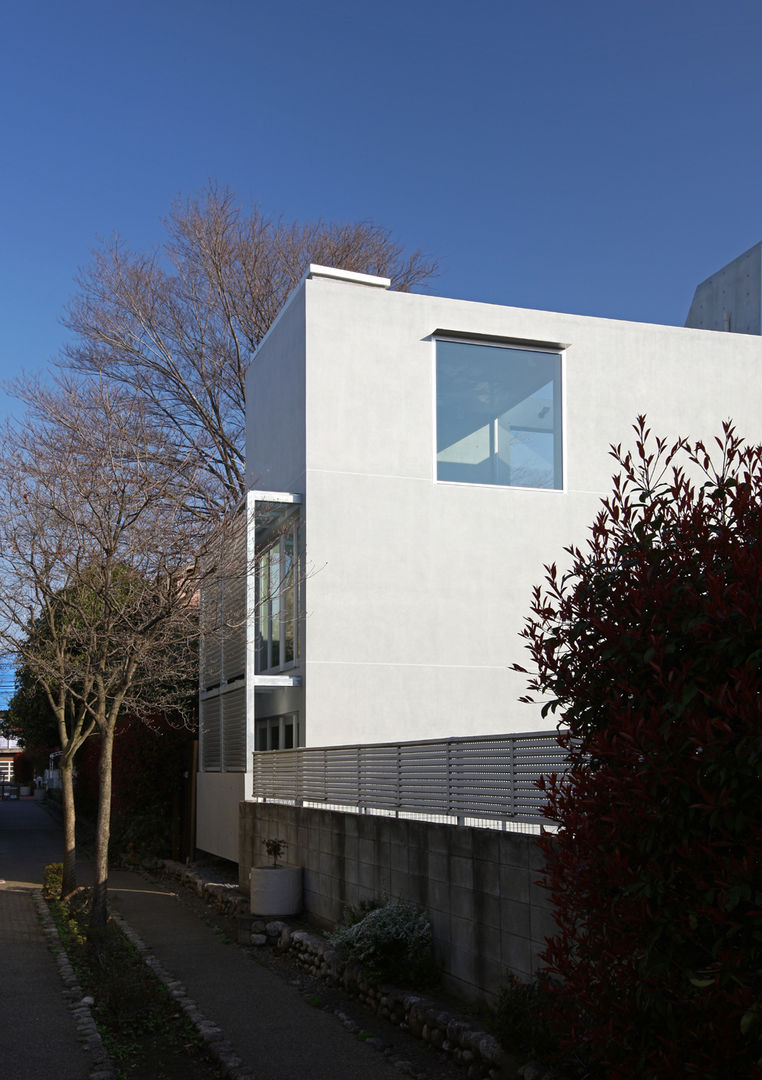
(211, 601)
(233, 725)
(211, 744)
(486, 778)
(234, 601)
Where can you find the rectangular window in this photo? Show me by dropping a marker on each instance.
(277, 600)
(498, 413)
(278, 732)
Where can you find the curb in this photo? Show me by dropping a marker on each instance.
(79, 1004)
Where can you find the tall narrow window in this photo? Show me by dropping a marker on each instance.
(289, 600)
(277, 616)
(498, 415)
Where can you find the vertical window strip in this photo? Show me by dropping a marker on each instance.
(277, 599)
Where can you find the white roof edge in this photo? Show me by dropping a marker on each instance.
(275, 496)
(348, 275)
(314, 270)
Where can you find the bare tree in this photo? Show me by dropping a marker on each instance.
(179, 325)
(98, 572)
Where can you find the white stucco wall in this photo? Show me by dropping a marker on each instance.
(418, 590)
(275, 413)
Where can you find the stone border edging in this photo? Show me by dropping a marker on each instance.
(78, 1003)
(475, 1050)
(218, 1046)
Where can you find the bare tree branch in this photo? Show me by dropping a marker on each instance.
(98, 568)
(178, 327)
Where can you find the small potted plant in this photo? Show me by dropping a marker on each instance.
(275, 889)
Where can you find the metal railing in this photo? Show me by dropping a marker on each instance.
(488, 779)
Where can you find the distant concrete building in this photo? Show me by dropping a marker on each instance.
(731, 299)
(413, 461)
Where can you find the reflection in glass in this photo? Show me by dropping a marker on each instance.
(498, 415)
(277, 601)
(288, 598)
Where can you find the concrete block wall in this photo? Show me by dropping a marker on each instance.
(478, 886)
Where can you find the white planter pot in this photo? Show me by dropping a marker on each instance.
(275, 890)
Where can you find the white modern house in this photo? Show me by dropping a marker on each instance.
(413, 461)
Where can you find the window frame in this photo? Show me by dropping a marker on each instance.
(516, 344)
(268, 724)
(274, 598)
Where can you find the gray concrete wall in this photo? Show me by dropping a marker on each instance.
(731, 299)
(478, 886)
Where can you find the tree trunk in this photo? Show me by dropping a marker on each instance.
(99, 909)
(69, 878)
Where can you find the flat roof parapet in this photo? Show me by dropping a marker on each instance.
(348, 275)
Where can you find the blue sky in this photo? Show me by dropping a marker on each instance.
(590, 156)
(595, 157)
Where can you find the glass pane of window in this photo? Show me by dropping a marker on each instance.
(498, 415)
(263, 612)
(288, 598)
(278, 732)
(275, 605)
(277, 599)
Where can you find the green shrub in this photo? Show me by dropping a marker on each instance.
(52, 879)
(392, 942)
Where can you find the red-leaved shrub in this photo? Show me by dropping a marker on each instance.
(648, 651)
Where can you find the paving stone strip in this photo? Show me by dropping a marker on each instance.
(218, 1046)
(79, 1004)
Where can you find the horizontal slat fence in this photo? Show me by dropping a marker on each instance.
(490, 778)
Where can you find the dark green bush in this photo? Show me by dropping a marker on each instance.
(392, 943)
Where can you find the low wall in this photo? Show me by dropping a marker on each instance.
(478, 886)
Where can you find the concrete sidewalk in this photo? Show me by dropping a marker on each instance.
(270, 1028)
(39, 1035)
(260, 1025)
